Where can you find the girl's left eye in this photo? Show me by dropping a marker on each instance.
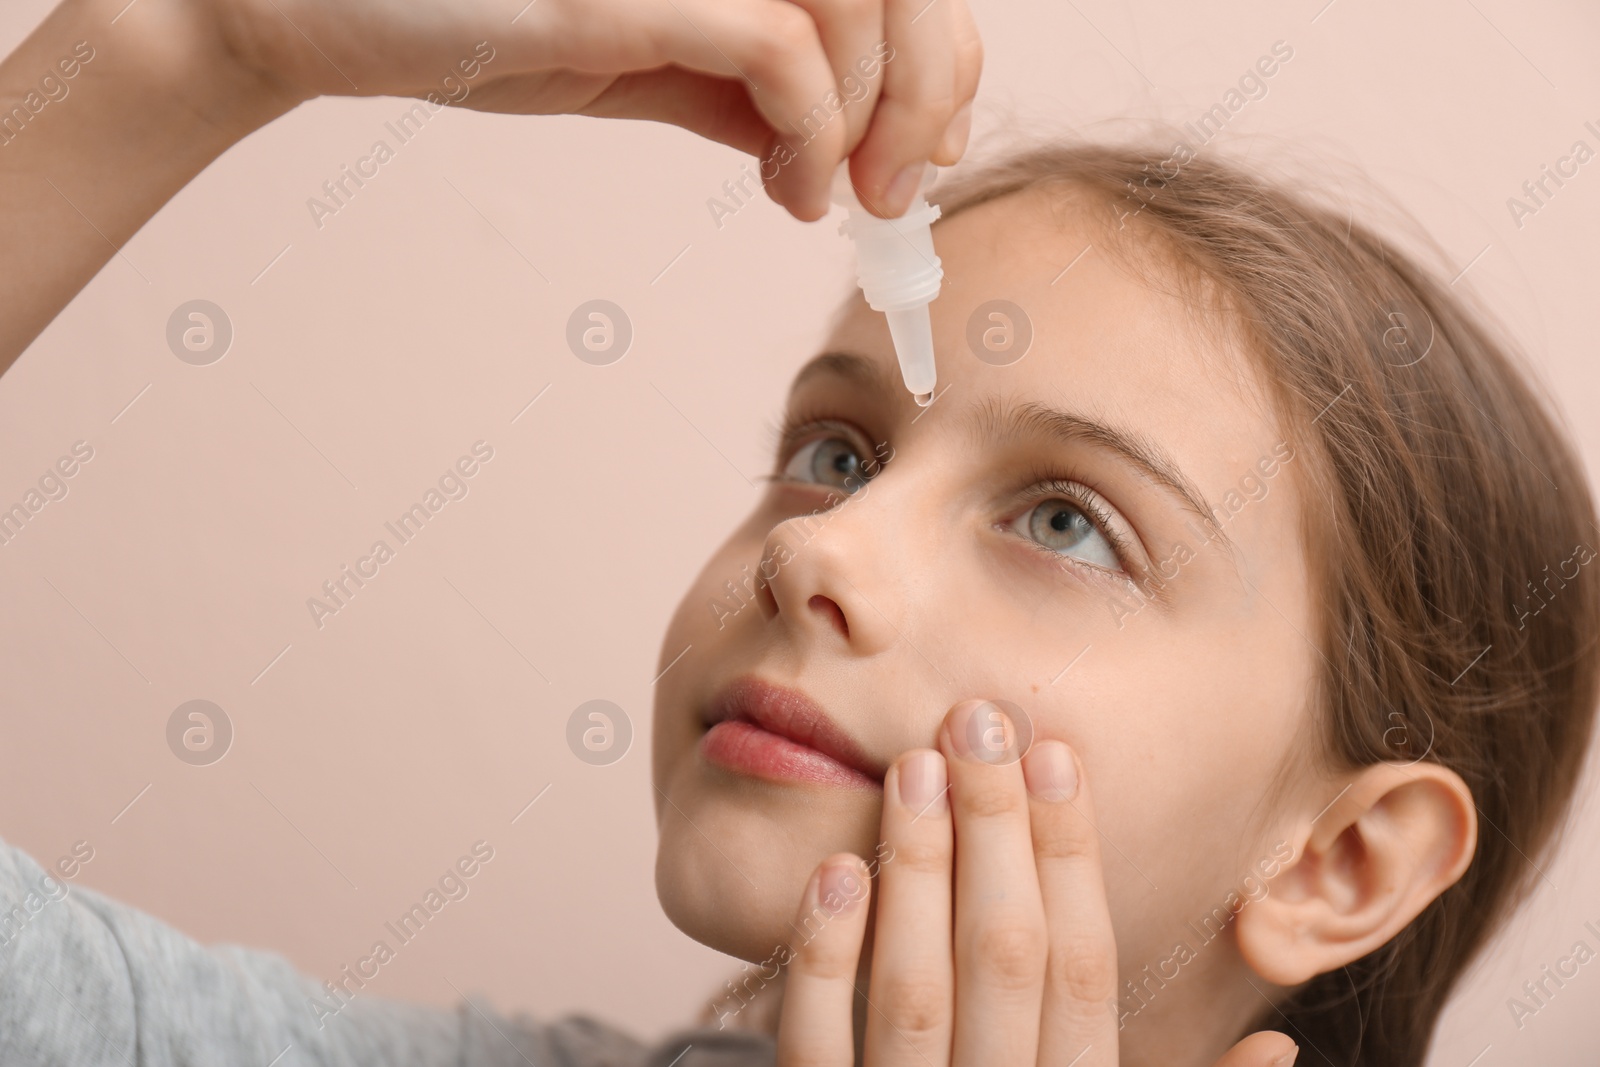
(1064, 527)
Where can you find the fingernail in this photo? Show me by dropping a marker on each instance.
(898, 194)
(983, 732)
(1287, 1058)
(954, 141)
(1050, 771)
(922, 783)
(821, 202)
(842, 886)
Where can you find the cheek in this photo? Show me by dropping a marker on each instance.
(1181, 732)
(722, 595)
(707, 620)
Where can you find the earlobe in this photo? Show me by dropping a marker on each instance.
(1394, 838)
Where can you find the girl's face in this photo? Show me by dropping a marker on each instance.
(1104, 533)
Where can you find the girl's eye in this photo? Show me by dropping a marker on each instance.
(1065, 528)
(830, 461)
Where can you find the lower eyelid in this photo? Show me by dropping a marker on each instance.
(801, 485)
(1081, 569)
(1101, 525)
(1124, 541)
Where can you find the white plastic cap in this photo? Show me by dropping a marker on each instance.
(899, 274)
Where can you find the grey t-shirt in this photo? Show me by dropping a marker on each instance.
(86, 981)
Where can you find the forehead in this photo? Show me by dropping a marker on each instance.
(1109, 335)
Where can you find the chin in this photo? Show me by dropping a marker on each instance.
(740, 894)
(711, 902)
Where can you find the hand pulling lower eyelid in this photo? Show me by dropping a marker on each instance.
(899, 274)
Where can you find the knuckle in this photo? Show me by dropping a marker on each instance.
(254, 34)
(917, 1005)
(989, 800)
(1062, 845)
(1084, 970)
(824, 960)
(1009, 956)
(851, 12)
(788, 32)
(920, 857)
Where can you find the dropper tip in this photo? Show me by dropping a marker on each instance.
(922, 399)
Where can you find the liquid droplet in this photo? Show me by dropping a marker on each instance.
(922, 399)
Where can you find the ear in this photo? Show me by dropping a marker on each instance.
(1396, 837)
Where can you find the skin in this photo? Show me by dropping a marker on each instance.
(917, 595)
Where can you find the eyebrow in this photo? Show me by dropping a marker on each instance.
(846, 365)
(996, 421)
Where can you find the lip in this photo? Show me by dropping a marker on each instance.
(770, 731)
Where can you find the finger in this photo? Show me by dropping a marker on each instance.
(917, 105)
(968, 69)
(999, 917)
(913, 977)
(852, 37)
(953, 142)
(715, 108)
(774, 48)
(1079, 1020)
(805, 150)
(1265, 1049)
(814, 1027)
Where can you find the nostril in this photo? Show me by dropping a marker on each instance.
(828, 607)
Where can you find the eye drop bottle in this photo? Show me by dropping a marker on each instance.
(898, 273)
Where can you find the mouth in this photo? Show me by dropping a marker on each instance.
(768, 731)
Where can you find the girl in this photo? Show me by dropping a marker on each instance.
(1261, 525)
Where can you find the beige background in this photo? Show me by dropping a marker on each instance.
(424, 316)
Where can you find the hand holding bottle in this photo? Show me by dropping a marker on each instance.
(808, 83)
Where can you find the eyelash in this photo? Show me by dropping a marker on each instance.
(1049, 483)
(783, 436)
(1043, 483)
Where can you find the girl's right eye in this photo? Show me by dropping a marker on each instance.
(835, 462)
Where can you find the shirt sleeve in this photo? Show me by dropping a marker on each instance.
(86, 981)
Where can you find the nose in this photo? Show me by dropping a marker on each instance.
(831, 577)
